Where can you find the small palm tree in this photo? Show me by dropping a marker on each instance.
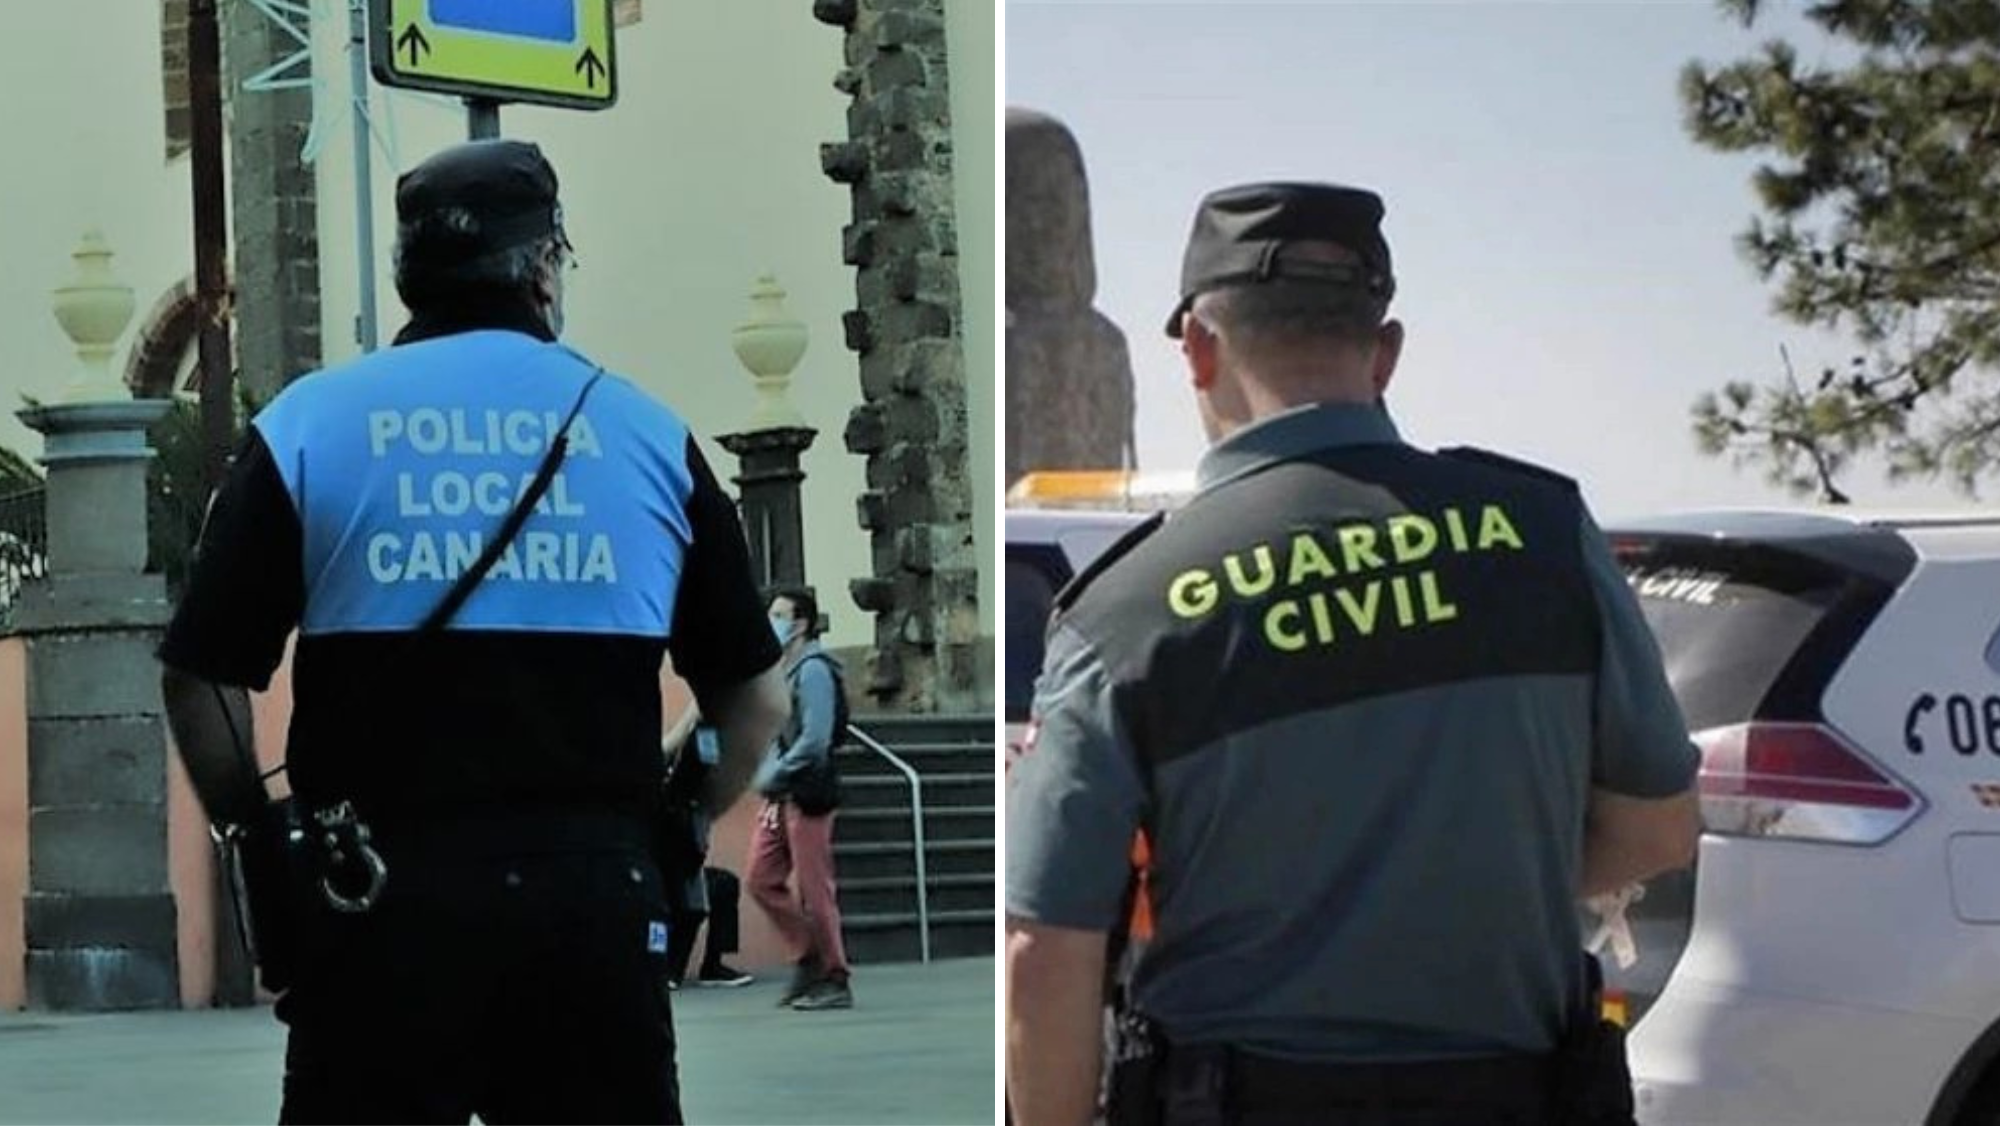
(176, 495)
(176, 499)
(17, 473)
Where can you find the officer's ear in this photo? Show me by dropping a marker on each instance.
(1202, 347)
(1388, 349)
(547, 276)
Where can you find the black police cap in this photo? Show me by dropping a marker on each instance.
(475, 199)
(1240, 235)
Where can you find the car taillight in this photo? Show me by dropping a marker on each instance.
(1798, 781)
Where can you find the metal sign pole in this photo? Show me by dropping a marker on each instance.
(211, 238)
(364, 195)
(482, 118)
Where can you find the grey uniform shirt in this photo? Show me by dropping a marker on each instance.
(1357, 695)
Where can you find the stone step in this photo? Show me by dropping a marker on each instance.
(860, 860)
(896, 728)
(878, 895)
(941, 823)
(892, 791)
(926, 759)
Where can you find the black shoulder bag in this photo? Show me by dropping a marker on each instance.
(296, 863)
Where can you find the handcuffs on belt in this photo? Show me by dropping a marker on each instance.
(344, 841)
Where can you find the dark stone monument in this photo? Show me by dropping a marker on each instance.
(1069, 377)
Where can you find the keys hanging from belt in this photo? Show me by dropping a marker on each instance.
(1614, 929)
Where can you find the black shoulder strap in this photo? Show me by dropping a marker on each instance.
(511, 526)
(1120, 547)
(840, 714)
(1501, 461)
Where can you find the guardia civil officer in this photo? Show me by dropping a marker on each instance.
(1382, 716)
(504, 765)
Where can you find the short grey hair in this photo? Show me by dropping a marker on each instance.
(1289, 313)
(425, 281)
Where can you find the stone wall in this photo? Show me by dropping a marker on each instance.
(906, 330)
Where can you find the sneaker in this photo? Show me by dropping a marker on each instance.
(723, 975)
(804, 977)
(827, 993)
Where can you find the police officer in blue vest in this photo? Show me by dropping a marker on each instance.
(501, 954)
(1382, 716)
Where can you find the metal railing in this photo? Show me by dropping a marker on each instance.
(916, 783)
(24, 544)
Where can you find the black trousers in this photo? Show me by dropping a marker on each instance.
(521, 987)
(724, 893)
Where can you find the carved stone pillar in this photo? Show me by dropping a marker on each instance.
(911, 425)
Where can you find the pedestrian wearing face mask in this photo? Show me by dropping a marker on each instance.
(793, 840)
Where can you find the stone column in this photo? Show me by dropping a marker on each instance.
(100, 912)
(769, 346)
(1069, 376)
(274, 197)
(911, 426)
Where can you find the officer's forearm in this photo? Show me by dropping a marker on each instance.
(1055, 981)
(212, 731)
(676, 736)
(747, 717)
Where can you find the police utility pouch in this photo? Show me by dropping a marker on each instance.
(1133, 1092)
(1593, 1076)
(295, 870)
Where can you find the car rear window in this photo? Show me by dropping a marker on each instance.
(1034, 576)
(1728, 616)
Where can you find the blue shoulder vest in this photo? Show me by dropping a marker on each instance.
(401, 464)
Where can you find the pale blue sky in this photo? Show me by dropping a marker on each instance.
(1564, 253)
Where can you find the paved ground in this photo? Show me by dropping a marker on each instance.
(916, 1048)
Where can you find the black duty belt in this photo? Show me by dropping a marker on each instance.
(509, 832)
(1251, 1082)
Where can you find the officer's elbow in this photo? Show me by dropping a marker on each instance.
(1678, 849)
(760, 706)
(1632, 839)
(1676, 832)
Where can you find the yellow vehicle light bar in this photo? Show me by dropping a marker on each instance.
(1057, 488)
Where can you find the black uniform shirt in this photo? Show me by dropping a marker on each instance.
(345, 514)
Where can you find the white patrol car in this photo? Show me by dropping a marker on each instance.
(1057, 524)
(1833, 957)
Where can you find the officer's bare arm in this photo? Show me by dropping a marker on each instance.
(1055, 987)
(747, 718)
(212, 730)
(1629, 839)
(676, 737)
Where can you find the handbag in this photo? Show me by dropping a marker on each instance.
(293, 865)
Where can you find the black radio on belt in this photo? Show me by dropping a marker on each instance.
(1593, 1077)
